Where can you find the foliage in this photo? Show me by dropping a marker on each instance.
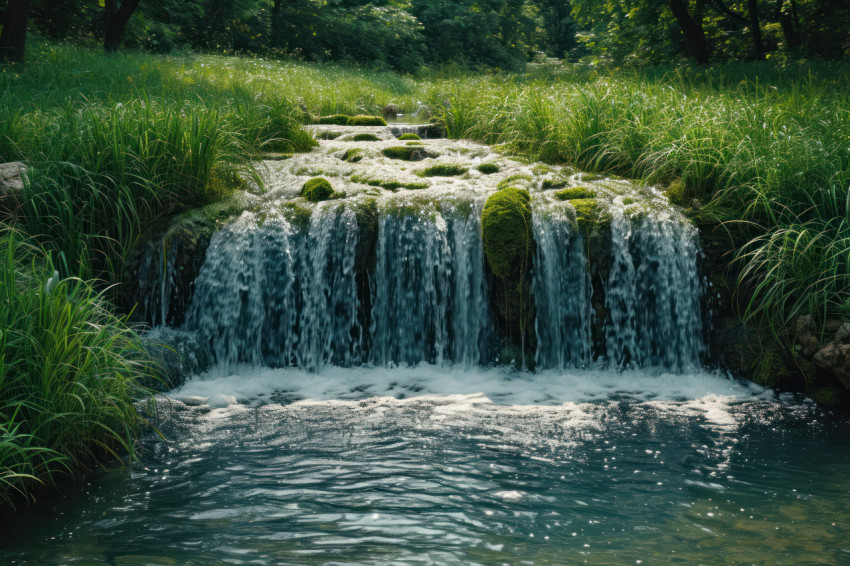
(67, 372)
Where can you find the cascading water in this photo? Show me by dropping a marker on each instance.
(430, 291)
(653, 293)
(561, 290)
(270, 294)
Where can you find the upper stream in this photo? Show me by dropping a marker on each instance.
(371, 401)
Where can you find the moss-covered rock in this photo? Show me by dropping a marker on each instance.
(409, 136)
(407, 153)
(591, 216)
(329, 135)
(549, 184)
(574, 193)
(365, 138)
(317, 189)
(353, 155)
(506, 231)
(488, 168)
(518, 180)
(335, 120)
(366, 121)
(387, 185)
(443, 170)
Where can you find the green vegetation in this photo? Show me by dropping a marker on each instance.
(553, 184)
(506, 232)
(443, 170)
(67, 372)
(366, 121)
(590, 215)
(488, 168)
(520, 179)
(407, 153)
(388, 185)
(365, 138)
(409, 136)
(353, 155)
(575, 193)
(317, 190)
(335, 120)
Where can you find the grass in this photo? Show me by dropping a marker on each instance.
(67, 373)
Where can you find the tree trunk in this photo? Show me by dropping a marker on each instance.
(790, 23)
(116, 22)
(692, 30)
(276, 23)
(756, 27)
(14, 36)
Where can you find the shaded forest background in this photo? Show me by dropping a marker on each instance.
(407, 35)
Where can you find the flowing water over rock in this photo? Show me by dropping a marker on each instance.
(369, 405)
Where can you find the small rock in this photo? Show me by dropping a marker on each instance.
(808, 344)
(11, 185)
(804, 323)
(842, 335)
(835, 358)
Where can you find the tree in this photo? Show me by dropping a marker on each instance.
(117, 18)
(14, 35)
(692, 29)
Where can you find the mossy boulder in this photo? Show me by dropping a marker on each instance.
(443, 170)
(406, 153)
(365, 138)
(366, 121)
(353, 155)
(409, 136)
(334, 120)
(488, 168)
(329, 135)
(591, 216)
(317, 189)
(518, 180)
(549, 184)
(574, 193)
(506, 231)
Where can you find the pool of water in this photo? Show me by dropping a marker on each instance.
(434, 465)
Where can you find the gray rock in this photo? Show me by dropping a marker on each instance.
(842, 335)
(835, 358)
(12, 176)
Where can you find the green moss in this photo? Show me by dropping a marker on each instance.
(336, 120)
(317, 189)
(409, 136)
(329, 135)
(420, 144)
(554, 184)
(518, 179)
(575, 193)
(406, 153)
(387, 185)
(296, 214)
(506, 230)
(590, 215)
(541, 169)
(365, 138)
(443, 170)
(353, 155)
(488, 168)
(628, 200)
(366, 121)
(590, 177)
(276, 156)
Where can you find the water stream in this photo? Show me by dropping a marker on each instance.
(362, 411)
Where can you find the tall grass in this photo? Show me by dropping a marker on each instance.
(67, 371)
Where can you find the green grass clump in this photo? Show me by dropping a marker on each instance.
(575, 193)
(362, 120)
(443, 170)
(409, 136)
(317, 189)
(488, 168)
(67, 373)
(365, 138)
(335, 120)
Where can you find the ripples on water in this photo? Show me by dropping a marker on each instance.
(378, 467)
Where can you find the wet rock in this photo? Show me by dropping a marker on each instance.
(11, 186)
(835, 358)
(174, 355)
(842, 335)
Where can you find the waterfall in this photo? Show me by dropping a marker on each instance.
(653, 293)
(270, 294)
(301, 292)
(561, 287)
(431, 299)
